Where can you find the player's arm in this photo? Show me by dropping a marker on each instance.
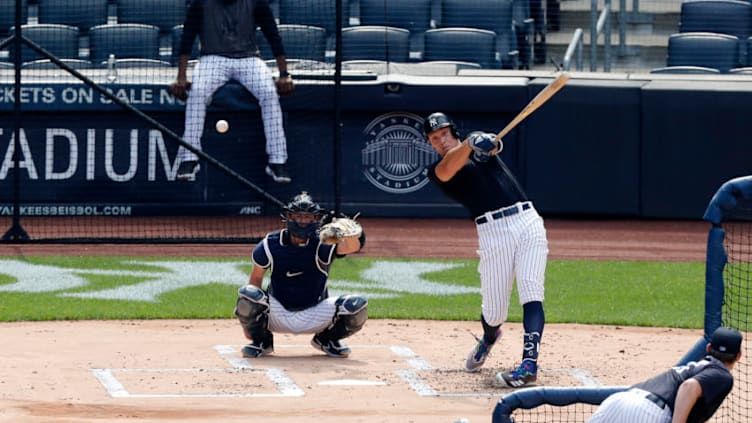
(265, 20)
(257, 276)
(689, 392)
(453, 161)
(193, 19)
(261, 261)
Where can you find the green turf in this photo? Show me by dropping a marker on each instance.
(600, 292)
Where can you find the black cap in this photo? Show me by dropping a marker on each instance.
(436, 121)
(726, 340)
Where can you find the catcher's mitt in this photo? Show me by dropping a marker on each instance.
(338, 229)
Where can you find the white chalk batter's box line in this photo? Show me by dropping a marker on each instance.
(285, 385)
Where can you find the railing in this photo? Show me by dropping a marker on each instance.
(574, 49)
(600, 24)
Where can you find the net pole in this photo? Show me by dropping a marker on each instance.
(16, 231)
(338, 108)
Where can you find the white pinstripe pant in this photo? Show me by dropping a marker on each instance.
(513, 246)
(212, 72)
(630, 407)
(310, 320)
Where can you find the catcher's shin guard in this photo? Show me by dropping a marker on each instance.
(349, 318)
(252, 309)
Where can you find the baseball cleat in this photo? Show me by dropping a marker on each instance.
(526, 374)
(331, 348)
(278, 172)
(479, 353)
(253, 350)
(187, 170)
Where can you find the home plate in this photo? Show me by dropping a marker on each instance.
(352, 382)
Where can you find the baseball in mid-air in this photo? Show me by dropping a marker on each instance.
(222, 126)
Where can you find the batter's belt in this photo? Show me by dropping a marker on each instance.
(503, 212)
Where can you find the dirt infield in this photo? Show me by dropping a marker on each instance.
(400, 370)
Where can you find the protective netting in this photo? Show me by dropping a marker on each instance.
(576, 412)
(737, 307)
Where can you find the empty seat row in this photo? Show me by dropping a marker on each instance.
(130, 41)
(372, 42)
(712, 37)
(705, 52)
(124, 41)
(84, 14)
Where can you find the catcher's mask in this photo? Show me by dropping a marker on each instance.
(302, 215)
(438, 120)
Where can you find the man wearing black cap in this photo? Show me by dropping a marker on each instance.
(689, 393)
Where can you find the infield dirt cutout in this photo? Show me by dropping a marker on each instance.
(400, 371)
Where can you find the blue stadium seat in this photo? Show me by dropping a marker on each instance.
(491, 15)
(301, 42)
(8, 14)
(81, 13)
(177, 33)
(375, 42)
(125, 41)
(60, 40)
(705, 49)
(165, 14)
(461, 44)
(321, 13)
(732, 17)
(413, 15)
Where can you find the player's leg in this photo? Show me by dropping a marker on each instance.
(252, 309)
(350, 316)
(532, 256)
(256, 77)
(496, 269)
(210, 73)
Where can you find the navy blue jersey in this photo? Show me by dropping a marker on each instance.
(228, 28)
(298, 273)
(714, 378)
(481, 186)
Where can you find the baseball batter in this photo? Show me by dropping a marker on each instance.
(690, 393)
(511, 237)
(296, 299)
(227, 33)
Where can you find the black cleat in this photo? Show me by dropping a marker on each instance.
(278, 172)
(331, 348)
(187, 170)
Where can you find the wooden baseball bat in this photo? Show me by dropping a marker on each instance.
(552, 88)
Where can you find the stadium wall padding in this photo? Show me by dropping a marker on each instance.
(603, 146)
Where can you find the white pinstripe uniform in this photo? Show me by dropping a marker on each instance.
(212, 72)
(631, 406)
(310, 320)
(511, 247)
(227, 31)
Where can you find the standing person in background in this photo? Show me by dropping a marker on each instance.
(227, 33)
(511, 235)
(689, 393)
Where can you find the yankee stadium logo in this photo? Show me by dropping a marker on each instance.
(396, 153)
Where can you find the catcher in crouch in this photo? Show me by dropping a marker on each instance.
(296, 299)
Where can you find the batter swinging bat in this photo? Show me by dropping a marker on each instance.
(552, 88)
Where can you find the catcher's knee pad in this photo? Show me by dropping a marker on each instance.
(351, 315)
(252, 309)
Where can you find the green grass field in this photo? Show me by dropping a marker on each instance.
(590, 292)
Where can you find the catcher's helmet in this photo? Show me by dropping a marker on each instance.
(436, 121)
(302, 215)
